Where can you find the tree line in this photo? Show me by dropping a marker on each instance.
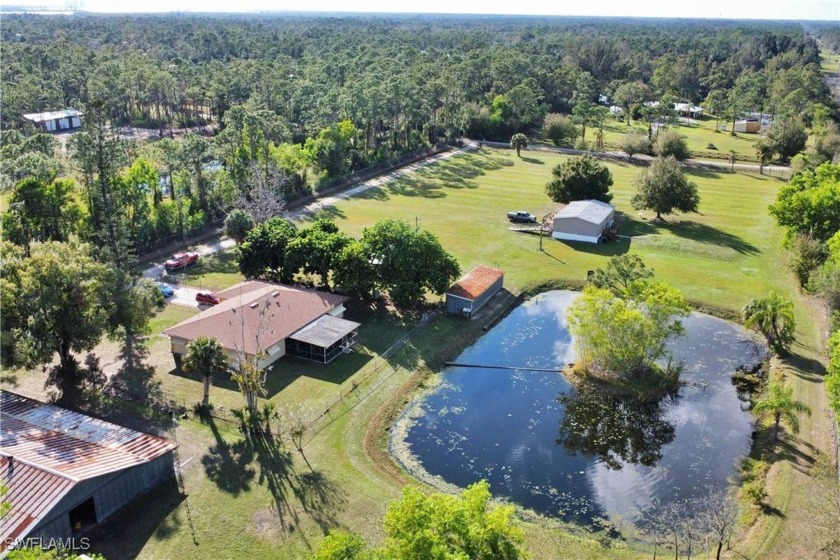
(402, 81)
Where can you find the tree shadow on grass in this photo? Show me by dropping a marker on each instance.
(155, 515)
(320, 498)
(805, 367)
(132, 396)
(373, 193)
(799, 453)
(228, 465)
(533, 161)
(276, 474)
(704, 171)
(415, 187)
(326, 213)
(707, 234)
(632, 226)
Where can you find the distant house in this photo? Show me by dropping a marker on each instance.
(689, 110)
(66, 471)
(748, 126)
(56, 121)
(583, 220)
(616, 110)
(467, 295)
(263, 320)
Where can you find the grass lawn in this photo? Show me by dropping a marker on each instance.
(725, 255)
(830, 62)
(699, 134)
(265, 501)
(215, 271)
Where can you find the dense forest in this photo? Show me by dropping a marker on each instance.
(288, 104)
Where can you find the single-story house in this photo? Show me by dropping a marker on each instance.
(583, 220)
(265, 321)
(748, 126)
(66, 471)
(56, 121)
(689, 110)
(467, 295)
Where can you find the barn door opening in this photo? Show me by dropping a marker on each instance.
(83, 516)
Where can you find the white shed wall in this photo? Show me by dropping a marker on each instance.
(574, 237)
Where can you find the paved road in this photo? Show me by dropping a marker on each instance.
(379, 181)
(186, 296)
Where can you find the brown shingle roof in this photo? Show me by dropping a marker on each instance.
(256, 309)
(476, 282)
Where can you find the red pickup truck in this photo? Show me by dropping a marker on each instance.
(181, 260)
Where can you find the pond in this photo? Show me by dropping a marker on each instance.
(580, 454)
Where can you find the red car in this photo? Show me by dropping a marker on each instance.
(181, 260)
(207, 298)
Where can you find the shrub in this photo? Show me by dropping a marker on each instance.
(672, 143)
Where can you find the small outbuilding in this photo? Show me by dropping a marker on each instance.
(66, 471)
(748, 126)
(56, 121)
(583, 220)
(467, 295)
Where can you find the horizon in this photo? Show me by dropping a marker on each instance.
(714, 10)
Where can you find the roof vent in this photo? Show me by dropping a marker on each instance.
(255, 305)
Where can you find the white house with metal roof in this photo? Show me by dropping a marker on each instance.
(66, 471)
(583, 220)
(56, 121)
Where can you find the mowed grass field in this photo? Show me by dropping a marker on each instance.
(724, 255)
(698, 135)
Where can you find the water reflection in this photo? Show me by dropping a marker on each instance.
(614, 429)
(582, 454)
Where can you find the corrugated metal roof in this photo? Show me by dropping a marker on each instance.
(32, 494)
(51, 115)
(476, 282)
(592, 211)
(46, 450)
(69, 443)
(325, 331)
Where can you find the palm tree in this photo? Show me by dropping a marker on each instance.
(779, 402)
(773, 317)
(206, 357)
(519, 142)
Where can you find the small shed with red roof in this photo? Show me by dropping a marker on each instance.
(467, 295)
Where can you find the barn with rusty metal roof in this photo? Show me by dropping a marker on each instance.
(473, 290)
(66, 471)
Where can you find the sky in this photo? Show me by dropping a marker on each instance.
(731, 9)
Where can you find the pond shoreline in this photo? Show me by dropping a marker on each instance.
(405, 417)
